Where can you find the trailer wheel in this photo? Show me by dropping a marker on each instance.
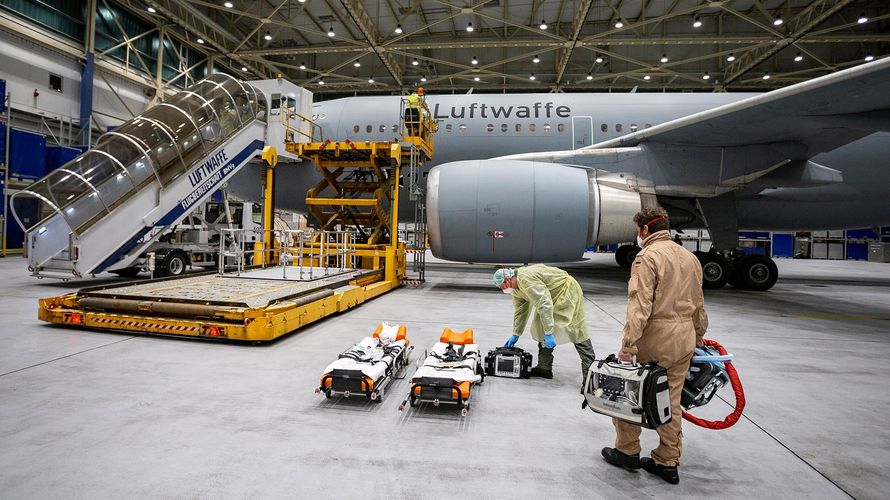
(175, 263)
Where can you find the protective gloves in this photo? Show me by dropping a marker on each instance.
(549, 341)
(511, 341)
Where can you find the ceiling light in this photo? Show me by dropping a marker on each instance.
(152, 10)
(705, 76)
(619, 24)
(415, 62)
(475, 78)
(543, 24)
(243, 68)
(331, 31)
(531, 76)
(423, 78)
(228, 5)
(647, 77)
(475, 61)
(399, 30)
(302, 1)
(371, 79)
(357, 64)
(200, 40)
(470, 26)
(599, 59)
(302, 65)
(321, 82)
(766, 76)
(778, 21)
(590, 76)
(730, 57)
(862, 18)
(536, 59)
(798, 57)
(697, 22)
(869, 57)
(268, 36)
(664, 58)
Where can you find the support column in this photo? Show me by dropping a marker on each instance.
(84, 137)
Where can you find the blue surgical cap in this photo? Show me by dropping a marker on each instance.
(503, 274)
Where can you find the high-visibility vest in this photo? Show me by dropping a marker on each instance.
(414, 100)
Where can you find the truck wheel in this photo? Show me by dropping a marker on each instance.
(175, 263)
(715, 270)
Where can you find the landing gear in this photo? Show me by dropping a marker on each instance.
(715, 268)
(754, 272)
(626, 254)
(743, 271)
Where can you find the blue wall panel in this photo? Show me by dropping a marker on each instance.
(2, 142)
(27, 155)
(861, 234)
(783, 245)
(857, 251)
(2, 96)
(56, 156)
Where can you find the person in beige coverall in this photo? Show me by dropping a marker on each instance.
(666, 319)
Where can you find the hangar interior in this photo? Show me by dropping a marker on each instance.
(207, 203)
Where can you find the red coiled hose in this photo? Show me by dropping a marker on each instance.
(733, 417)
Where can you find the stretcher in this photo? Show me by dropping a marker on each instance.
(449, 371)
(367, 368)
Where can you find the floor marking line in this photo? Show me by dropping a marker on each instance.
(68, 355)
(841, 317)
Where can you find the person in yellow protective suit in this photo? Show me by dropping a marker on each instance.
(559, 312)
(412, 112)
(666, 319)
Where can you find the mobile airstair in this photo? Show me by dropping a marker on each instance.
(101, 211)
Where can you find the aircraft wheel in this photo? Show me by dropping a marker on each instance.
(626, 254)
(756, 272)
(715, 270)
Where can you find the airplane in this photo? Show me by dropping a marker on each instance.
(520, 178)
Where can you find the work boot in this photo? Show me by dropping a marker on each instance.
(665, 472)
(545, 363)
(620, 459)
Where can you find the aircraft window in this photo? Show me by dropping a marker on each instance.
(395, 128)
(462, 127)
(531, 127)
(383, 128)
(618, 127)
(647, 125)
(489, 127)
(503, 127)
(519, 127)
(561, 127)
(355, 129)
(546, 127)
(633, 127)
(369, 128)
(604, 127)
(448, 127)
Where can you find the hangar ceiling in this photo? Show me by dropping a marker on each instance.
(382, 46)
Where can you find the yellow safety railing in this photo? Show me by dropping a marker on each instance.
(293, 122)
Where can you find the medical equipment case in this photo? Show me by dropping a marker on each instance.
(509, 362)
(635, 393)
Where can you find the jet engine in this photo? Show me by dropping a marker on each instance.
(512, 211)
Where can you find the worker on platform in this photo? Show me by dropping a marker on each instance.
(559, 312)
(413, 111)
(666, 320)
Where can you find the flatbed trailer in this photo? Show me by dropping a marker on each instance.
(255, 306)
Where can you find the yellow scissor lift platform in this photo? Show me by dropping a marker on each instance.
(359, 193)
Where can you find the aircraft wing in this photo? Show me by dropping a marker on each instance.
(814, 116)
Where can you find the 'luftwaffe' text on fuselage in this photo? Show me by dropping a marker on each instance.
(536, 110)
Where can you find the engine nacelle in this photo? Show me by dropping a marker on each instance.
(511, 211)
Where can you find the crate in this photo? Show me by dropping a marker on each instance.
(27, 155)
(56, 156)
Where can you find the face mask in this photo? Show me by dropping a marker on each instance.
(508, 291)
(639, 241)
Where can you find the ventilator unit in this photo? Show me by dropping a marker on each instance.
(508, 362)
(703, 379)
(635, 393)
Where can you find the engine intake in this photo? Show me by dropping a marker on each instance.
(512, 211)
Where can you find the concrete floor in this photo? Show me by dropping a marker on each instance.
(97, 415)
